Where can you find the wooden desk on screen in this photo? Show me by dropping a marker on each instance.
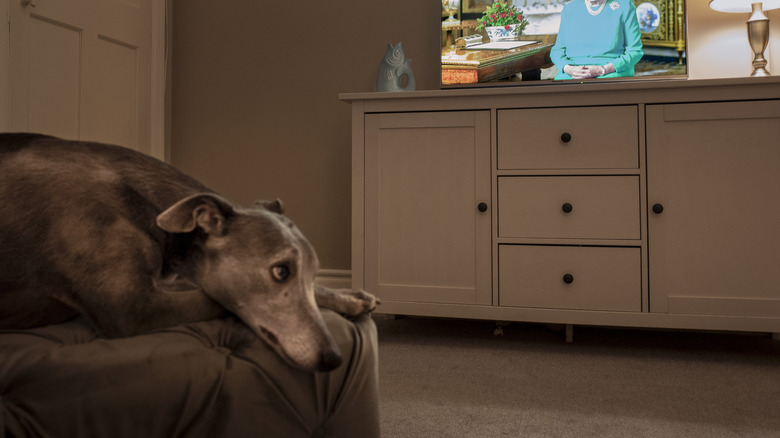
(467, 66)
(453, 30)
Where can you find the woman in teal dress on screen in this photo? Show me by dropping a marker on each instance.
(597, 38)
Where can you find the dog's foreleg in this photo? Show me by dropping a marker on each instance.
(117, 287)
(345, 301)
(121, 313)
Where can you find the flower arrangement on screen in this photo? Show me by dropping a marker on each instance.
(503, 15)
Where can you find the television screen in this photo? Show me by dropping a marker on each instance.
(515, 42)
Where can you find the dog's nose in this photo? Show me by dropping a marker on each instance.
(329, 360)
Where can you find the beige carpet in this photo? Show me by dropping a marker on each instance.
(451, 378)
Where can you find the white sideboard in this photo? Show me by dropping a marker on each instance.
(646, 203)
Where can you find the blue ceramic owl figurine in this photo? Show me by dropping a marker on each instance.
(392, 69)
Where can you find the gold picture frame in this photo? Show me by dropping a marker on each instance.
(471, 6)
(662, 23)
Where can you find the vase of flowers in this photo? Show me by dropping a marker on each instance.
(502, 22)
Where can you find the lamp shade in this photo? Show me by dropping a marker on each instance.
(742, 5)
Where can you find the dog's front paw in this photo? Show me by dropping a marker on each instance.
(347, 302)
(364, 301)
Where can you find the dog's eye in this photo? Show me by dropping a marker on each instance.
(280, 272)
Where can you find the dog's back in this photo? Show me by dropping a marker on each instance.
(65, 202)
(73, 167)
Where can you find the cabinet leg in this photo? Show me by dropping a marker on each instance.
(569, 333)
(499, 330)
(384, 316)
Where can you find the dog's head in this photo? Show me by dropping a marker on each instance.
(258, 265)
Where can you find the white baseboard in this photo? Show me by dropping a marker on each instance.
(335, 278)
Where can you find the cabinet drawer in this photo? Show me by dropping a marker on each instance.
(602, 207)
(565, 277)
(598, 138)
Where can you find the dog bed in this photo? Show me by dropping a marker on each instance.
(208, 379)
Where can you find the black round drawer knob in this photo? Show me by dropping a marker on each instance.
(482, 207)
(567, 208)
(568, 278)
(565, 137)
(658, 208)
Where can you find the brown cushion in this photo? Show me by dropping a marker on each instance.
(212, 378)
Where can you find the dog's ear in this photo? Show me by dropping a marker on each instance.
(204, 210)
(274, 206)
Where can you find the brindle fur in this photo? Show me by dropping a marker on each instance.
(134, 245)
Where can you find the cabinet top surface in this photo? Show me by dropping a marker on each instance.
(670, 90)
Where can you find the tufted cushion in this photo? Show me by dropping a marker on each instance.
(206, 379)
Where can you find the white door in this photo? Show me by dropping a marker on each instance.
(81, 69)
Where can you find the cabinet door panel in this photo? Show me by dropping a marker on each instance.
(715, 169)
(425, 239)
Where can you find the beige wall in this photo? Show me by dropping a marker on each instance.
(254, 93)
(718, 46)
(255, 109)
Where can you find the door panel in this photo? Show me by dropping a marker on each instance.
(425, 239)
(112, 105)
(52, 105)
(81, 69)
(714, 249)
